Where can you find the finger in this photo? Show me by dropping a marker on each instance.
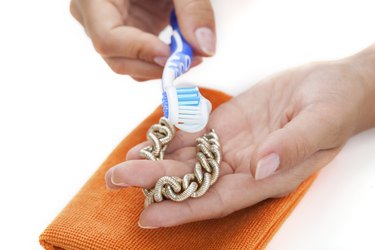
(144, 173)
(135, 68)
(284, 148)
(197, 23)
(232, 192)
(104, 24)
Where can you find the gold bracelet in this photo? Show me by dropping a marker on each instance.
(194, 185)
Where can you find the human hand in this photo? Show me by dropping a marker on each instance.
(124, 32)
(280, 131)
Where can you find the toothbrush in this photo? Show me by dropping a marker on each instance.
(183, 106)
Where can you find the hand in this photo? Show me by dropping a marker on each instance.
(124, 32)
(280, 131)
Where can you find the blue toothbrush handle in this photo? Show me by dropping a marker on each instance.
(180, 48)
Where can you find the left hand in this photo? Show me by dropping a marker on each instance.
(280, 131)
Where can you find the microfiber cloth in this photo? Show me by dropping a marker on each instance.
(97, 218)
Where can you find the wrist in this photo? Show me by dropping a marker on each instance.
(363, 65)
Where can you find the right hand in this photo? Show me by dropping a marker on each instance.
(273, 136)
(125, 32)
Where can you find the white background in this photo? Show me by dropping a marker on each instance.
(62, 110)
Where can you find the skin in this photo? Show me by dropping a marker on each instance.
(125, 32)
(304, 115)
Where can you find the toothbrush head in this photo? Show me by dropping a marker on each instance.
(186, 108)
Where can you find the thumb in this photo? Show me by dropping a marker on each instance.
(197, 23)
(286, 147)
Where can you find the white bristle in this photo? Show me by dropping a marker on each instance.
(189, 117)
(187, 103)
(188, 110)
(188, 95)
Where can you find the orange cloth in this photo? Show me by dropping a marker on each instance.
(97, 218)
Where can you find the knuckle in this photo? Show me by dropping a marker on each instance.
(140, 48)
(137, 48)
(133, 50)
(102, 44)
(241, 158)
(302, 148)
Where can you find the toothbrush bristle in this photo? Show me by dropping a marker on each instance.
(188, 105)
(188, 96)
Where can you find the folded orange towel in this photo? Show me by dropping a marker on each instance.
(97, 218)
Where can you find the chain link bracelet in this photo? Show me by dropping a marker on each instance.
(194, 185)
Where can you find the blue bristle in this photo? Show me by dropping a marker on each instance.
(165, 104)
(188, 91)
(188, 96)
(193, 98)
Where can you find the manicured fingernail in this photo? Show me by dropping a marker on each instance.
(267, 166)
(117, 180)
(145, 227)
(206, 40)
(160, 60)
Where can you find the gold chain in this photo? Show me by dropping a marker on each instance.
(194, 185)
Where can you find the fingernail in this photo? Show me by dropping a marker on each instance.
(160, 60)
(206, 40)
(267, 166)
(116, 180)
(145, 227)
